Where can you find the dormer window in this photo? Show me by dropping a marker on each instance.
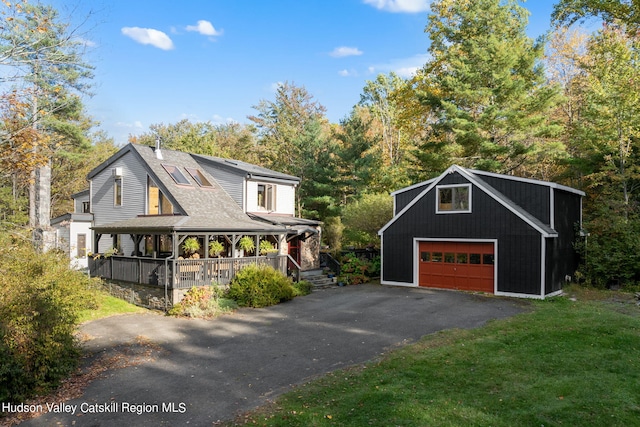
(267, 197)
(453, 198)
(199, 177)
(177, 176)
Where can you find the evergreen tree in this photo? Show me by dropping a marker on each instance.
(46, 57)
(487, 85)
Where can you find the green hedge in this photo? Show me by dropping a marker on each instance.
(39, 306)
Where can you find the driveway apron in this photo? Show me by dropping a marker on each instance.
(205, 371)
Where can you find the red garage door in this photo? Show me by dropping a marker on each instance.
(456, 265)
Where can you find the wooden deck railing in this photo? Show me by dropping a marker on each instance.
(177, 274)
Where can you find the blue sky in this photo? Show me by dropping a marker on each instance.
(160, 62)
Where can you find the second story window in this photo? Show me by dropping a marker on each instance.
(117, 191)
(86, 207)
(267, 197)
(157, 202)
(454, 198)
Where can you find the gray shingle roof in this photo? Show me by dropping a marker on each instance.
(253, 171)
(205, 209)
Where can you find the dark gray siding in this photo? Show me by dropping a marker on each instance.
(534, 198)
(404, 198)
(562, 259)
(231, 182)
(519, 245)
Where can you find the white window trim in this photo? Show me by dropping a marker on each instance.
(115, 198)
(438, 187)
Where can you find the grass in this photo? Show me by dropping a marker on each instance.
(566, 363)
(108, 305)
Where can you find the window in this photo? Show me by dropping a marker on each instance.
(436, 257)
(177, 176)
(425, 256)
(117, 192)
(474, 259)
(454, 198)
(461, 258)
(81, 245)
(198, 177)
(487, 259)
(266, 197)
(86, 207)
(157, 202)
(449, 257)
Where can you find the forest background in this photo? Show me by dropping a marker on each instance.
(563, 108)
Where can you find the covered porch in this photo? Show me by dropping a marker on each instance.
(179, 258)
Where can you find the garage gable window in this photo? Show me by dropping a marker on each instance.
(453, 198)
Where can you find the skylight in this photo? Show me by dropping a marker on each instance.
(175, 173)
(199, 177)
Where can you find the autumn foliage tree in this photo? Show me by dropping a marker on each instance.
(44, 56)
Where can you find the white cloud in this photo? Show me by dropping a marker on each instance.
(342, 51)
(149, 36)
(400, 6)
(348, 73)
(205, 28)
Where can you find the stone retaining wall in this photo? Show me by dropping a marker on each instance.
(147, 296)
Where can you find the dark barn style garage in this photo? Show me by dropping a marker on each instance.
(480, 231)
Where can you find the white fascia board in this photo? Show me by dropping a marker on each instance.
(469, 176)
(432, 184)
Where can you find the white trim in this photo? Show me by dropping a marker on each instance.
(518, 295)
(552, 208)
(404, 284)
(470, 178)
(530, 181)
(411, 187)
(543, 266)
(416, 253)
(452, 211)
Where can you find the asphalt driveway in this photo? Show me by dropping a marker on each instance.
(202, 371)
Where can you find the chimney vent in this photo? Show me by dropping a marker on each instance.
(157, 150)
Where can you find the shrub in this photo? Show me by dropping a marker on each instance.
(303, 287)
(202, 302)
(40, 303)
(354, 270)
(260, 286)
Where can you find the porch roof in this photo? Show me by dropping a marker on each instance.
(183, 223)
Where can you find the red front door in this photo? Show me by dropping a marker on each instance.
(457, 265)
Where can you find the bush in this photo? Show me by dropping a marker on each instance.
(260, 286)
(355, 270)
(40, 303)
(303, 287)
(202, 302)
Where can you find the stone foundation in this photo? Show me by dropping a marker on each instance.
(147, 296)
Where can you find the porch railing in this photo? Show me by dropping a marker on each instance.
(177, 274)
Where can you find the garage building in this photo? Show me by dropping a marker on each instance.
(481, 231)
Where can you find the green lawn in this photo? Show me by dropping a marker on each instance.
(108, 306)
(563, 364)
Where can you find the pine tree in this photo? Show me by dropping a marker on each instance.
(487, 85)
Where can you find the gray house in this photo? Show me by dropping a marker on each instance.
(144, 203)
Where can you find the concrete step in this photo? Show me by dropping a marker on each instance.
(318, 279)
